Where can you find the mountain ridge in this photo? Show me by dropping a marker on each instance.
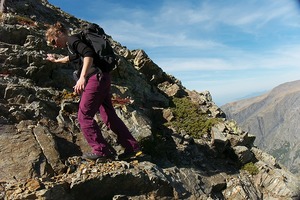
(41, 143)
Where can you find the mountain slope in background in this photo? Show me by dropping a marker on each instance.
(274, 118)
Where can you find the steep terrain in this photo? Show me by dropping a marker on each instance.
(274, 119)
(192, 150)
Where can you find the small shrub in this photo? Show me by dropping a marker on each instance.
(251, 168)
(189, 117)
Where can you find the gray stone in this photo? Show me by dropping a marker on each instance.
(243, 153)
(21, 156)
(49, 148)
(219, 140)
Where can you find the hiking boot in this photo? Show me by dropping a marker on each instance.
(95, 157)
(130, 155)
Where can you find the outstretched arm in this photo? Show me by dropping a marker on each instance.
(52, 58)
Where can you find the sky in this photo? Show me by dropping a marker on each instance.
(233, 48)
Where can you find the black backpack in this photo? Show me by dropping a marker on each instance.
(95, 37)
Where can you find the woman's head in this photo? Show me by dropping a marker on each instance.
(56, 35)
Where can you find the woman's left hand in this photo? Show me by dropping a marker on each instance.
(80, 84)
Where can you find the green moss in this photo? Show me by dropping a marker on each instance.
(189, 117)
(251, 168)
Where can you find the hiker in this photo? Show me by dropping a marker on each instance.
(93, 85)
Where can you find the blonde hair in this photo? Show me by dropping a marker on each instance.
(54, 30)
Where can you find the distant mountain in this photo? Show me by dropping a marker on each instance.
(274, 118)
(254, 94)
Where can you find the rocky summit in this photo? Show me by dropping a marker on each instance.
(191, 150)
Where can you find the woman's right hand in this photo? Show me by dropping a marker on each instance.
(51, 57)
(80, 84)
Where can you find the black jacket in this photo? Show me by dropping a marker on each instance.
(77, 50)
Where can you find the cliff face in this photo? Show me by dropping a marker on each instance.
(40, 142)
(274, 119)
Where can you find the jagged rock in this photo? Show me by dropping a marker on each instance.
(241, 187)
(145, 65)
(174, 91)
(204, 99)
(217, 182)
(243, 153)
(49, 148)
(14, 90)
(105, 180)
(14, 34)
(67, 114)
(168, 115)
(33, 185)
(264, 157)
(29, 42)
(140, 125)
(21, 156)
(277, 183)
(240, 140)
(219, 140)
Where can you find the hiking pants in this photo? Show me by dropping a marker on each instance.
(96, 97)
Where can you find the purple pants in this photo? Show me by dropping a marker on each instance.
(96, 97)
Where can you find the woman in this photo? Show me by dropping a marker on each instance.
(94, 87)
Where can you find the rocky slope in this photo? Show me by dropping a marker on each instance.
(193, 151)
(274, 119)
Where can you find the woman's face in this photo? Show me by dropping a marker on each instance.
(58, 41)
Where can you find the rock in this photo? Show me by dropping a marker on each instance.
(219, 140)
(277, 183)
(240, 187)
(33, 185)
(172, 89)
(242, 139)
(168, 115)
(19, 150)
(215, 183)
(264, 157)
(243, 154)
(49, 148)
(152, 72)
